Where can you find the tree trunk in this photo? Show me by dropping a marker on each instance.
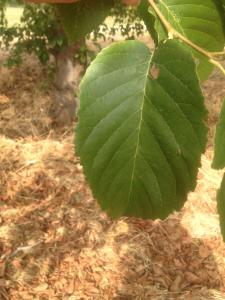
(67, 77)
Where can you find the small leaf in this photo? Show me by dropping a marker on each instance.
(219, 148)
(141, 128)
(221, 206)
(200, 21)
(82, 17)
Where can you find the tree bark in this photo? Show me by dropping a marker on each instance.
(67, 77)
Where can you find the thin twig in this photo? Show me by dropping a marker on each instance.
(218, 65)
(173, 33)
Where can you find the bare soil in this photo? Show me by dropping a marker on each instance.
(56, 243)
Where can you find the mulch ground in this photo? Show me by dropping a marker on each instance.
(56, 243)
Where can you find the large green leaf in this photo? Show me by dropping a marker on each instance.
(141, 128)
(82, 17)
(198, 20)
(221, 206)
(219, 148)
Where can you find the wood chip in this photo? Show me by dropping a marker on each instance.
(203, 251)
(175, 287)
(41, 288)
(192, 278)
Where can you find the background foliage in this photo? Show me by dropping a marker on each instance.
(40, 31)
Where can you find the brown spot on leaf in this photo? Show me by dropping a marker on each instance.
(154, 72)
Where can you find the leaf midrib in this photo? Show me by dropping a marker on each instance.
(139, 130)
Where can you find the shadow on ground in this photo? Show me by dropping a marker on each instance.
(56, 243)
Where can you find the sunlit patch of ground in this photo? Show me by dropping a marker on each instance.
(56, 243)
